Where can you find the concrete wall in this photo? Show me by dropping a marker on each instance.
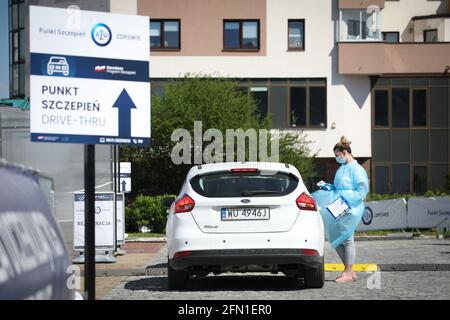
(396, 15)
(202, 23)
(447, 30)
(124, 6)
(393, 58)
(441, 24)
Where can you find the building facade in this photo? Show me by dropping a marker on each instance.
(375, 71)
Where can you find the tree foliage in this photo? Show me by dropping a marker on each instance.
(218, 103)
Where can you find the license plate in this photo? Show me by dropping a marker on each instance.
(233, 214)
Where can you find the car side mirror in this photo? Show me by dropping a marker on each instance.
(167, 202)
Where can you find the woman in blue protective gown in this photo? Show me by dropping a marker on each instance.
(352, 184)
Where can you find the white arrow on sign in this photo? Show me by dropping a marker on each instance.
(125, 184)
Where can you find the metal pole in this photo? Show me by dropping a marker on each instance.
(1, 136)
(115, 198)
(89, 218)
(118, 180)
(118, 168)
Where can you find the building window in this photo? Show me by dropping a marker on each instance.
(356, 29)
(260, 94)
(381, 108)
(165, 34)
(308, 106)
(430, 35)
(419, 108)
(296, 34)
(241, 35)
(400, 107)
(298, 107)
(420, 180)
(410, 134)
(400, 178)
(360, 25)
(391, 37)
(317, 106)
(381, 179)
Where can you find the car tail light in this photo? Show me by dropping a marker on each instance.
(306, 202)
(310, 252)
(185, 204)
(182, 254)
(244, 170)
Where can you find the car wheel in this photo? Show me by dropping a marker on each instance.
(177, 279)
(315, 277)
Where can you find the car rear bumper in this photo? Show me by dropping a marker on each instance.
(242, 257)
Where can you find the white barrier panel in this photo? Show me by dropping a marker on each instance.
(120, 198)
(384, 215)
(104, 221)
(429, 212)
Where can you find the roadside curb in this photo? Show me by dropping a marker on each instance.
(357, 238)
(161, 270)
(382, 238)
(414, 267)
(131, 240)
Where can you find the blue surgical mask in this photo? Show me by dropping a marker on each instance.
(340, 160)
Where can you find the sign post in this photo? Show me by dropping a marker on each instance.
(89, 84)
(115, 192)
(89, 218)
(125, 177)
(120, 226)
(123, 180)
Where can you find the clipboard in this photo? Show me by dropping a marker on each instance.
(338, 207)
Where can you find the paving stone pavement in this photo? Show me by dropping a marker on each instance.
(261, 286)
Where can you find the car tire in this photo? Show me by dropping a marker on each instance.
(315, 277)
(177, 279)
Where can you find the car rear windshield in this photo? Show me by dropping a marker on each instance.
(227, 184)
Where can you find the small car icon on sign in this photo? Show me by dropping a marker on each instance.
(58, 65)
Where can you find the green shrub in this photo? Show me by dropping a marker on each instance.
(146, 211)
(447, 183)
(378, 197)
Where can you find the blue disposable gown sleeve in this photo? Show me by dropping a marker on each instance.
(359, 189)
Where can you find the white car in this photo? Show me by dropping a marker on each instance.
(244, 217)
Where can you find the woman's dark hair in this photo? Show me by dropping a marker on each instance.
(342, 145)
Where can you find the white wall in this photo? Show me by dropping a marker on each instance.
(397, 15)
(348, 97)
(447, 30)
(436, 23)
(124, 6)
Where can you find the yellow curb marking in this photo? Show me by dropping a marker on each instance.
(364, 267)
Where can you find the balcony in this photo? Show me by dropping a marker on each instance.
(379, 58)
